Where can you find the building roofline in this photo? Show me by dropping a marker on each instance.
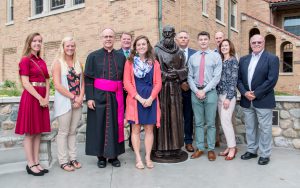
(270, 25)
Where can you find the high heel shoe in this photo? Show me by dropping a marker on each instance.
(139, 165)
(228, 158)
(224, 153)
(29, 171)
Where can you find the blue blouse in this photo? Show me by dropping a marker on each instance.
(229, 77)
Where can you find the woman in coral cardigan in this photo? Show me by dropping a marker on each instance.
(142, 81)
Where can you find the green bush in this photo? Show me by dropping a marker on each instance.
(9, 84)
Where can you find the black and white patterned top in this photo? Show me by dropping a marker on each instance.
(229, 77)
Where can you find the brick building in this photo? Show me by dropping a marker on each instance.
(277, 20)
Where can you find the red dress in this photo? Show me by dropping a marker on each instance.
(32, 118)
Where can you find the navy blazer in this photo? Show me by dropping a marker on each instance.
(121, 51)
(190, 53)
(263, 82)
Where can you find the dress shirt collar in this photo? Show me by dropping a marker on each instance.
(257, 55)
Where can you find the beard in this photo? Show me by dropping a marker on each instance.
(169, 43)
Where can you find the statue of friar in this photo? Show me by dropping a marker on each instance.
(169, 138)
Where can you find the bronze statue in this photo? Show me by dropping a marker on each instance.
(169, 138)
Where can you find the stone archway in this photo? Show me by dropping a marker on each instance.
(270, 43)
(253, 31)
(286, 57)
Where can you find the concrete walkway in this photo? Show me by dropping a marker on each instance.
(282, 172)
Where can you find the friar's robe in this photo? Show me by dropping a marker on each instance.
(102, 123)
(170, 136)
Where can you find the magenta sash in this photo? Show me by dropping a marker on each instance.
(117, 87)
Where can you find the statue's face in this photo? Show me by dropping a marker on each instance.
(169, 32)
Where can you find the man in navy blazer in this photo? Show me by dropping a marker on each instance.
(258, 74)
(126, 40)
(182, 40)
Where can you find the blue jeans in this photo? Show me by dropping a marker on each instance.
(205, 111)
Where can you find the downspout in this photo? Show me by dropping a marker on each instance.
(229, 20)
(160, 18)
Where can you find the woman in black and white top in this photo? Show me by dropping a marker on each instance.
(227, 95)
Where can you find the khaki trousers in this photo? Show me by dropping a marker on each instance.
(66, 137)
(226, 120)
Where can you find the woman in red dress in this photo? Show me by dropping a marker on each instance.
(33, 116)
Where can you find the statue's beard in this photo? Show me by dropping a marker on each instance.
(169, 43)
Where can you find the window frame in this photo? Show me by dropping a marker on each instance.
(9, 12)
(204, 8)
(221, 9)
(233, 12)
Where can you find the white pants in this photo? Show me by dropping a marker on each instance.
(226, 117)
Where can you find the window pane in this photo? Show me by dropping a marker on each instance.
(292, 24)
(218, 13)
(233, 21)
(76, 2)
(38, 6)
(56, 4)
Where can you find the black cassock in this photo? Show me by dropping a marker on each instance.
(102, 123)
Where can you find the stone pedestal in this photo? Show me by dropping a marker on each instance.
(45, 149)
(172, 156)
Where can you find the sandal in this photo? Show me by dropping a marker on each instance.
(149, 164)
(67, 167)
(139, 165)
(75, 164)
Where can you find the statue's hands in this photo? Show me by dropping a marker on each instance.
(172, 73)
(185, 86)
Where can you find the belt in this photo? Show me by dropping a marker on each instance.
(39, 84)
(200, 87)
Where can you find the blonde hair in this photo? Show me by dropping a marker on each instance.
(61, 56)
(27, 47)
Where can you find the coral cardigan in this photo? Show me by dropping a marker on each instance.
(130, 87)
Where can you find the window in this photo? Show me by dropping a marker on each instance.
(292, 24)
(286, 57)
(233, 14)
(10, 11)
(76, 2)
(38, 6)
(57, 4)
(220, 10)
(204, 7)
(41, 8)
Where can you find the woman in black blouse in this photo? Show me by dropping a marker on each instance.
(227, 96)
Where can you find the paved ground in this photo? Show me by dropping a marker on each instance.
(282, 172)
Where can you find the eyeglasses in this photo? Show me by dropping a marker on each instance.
(256, 42)
(108, 36)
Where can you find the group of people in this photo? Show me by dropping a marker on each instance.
(128, 85)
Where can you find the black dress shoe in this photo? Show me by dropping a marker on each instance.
(101, 163)
(44, 170)
(263, 160)
(115, 162)
(248, 155)
(29, 171)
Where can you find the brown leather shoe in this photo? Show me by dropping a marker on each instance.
(189, 148)
(211, 155)
(197, 154)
